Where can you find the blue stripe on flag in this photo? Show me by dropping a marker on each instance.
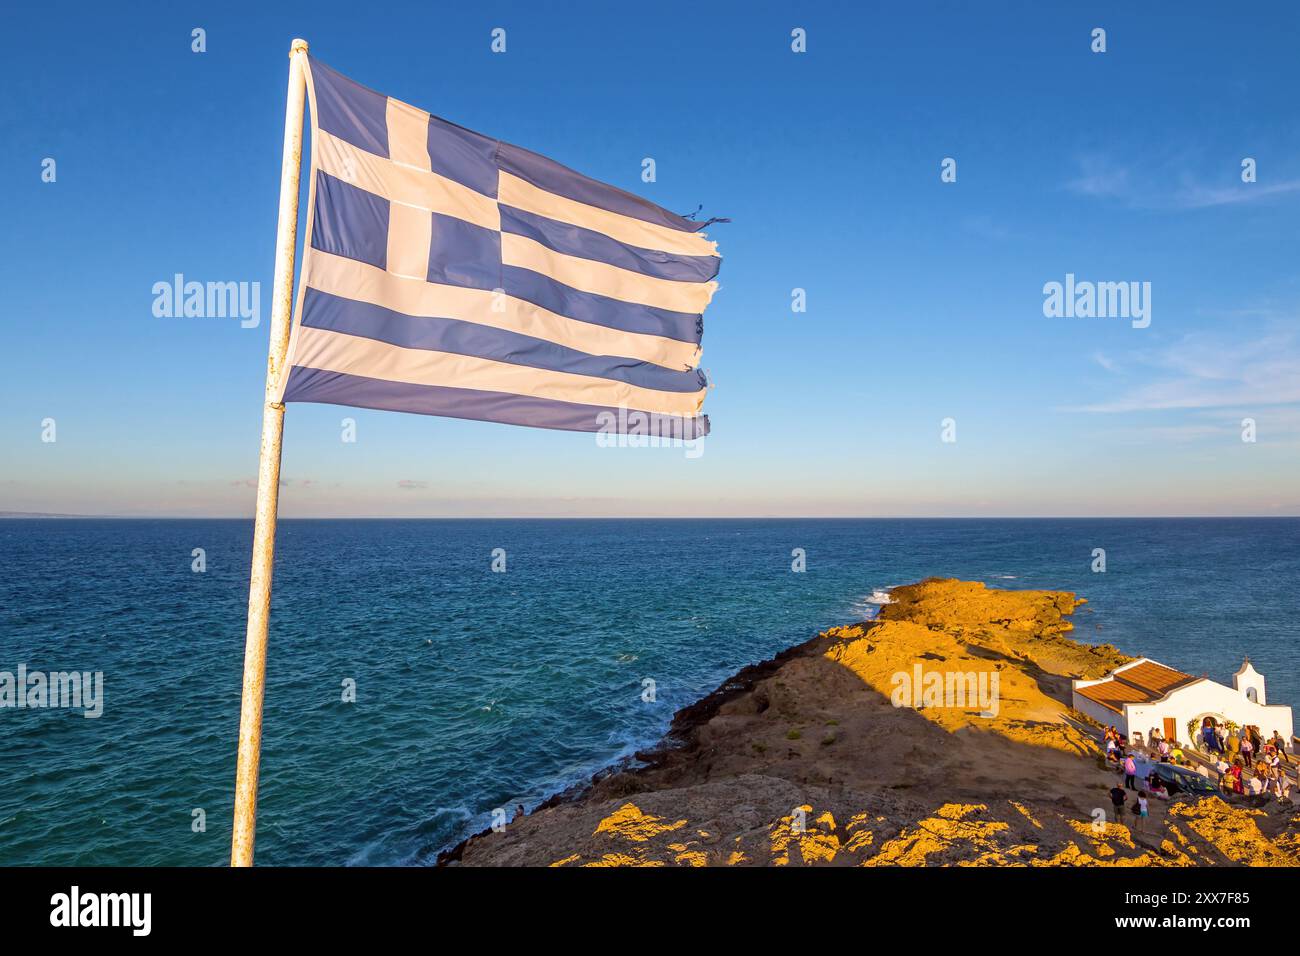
(551, 176)
(339, 388)
(598, 309)
(588, 244)
(463, 254)
(350, 221)
(463, 155)
(349, 110)
(324, 311)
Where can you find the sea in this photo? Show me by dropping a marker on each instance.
(423, 674)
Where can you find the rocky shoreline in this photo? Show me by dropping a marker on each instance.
(677, 737)
(940, 733)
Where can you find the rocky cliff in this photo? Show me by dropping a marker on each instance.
(940, 733)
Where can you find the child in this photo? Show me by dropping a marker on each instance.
(1140, 810)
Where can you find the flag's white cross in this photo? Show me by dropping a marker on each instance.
(410, 229)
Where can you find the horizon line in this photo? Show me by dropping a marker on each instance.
(54, 516)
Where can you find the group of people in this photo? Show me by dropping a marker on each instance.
(1247, 763)
(1268, 776)
(1247, 749)
(1131, 763)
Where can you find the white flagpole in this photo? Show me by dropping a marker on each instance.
(268, 472)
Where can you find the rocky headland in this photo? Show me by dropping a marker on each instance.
(847, 750)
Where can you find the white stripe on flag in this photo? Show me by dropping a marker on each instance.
(513, 191)
(350, 279)
(354, 355)
(601, 278)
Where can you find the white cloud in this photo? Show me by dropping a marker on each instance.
(1105, 362)
(1197, 196)
(1167, 186)
(1211, 370)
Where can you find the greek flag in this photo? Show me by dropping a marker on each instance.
(448, 273)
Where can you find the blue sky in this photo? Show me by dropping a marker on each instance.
(924, 298)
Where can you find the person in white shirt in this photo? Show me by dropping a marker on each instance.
(1142, 810)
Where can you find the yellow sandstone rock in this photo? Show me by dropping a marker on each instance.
(941, 733)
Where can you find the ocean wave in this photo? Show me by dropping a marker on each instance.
(868, 607)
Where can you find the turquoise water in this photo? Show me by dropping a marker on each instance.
(477, 690)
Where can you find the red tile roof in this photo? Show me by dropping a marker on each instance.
(1139, 684)
(1153, 678)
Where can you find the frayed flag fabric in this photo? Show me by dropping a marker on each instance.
(448, 273)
